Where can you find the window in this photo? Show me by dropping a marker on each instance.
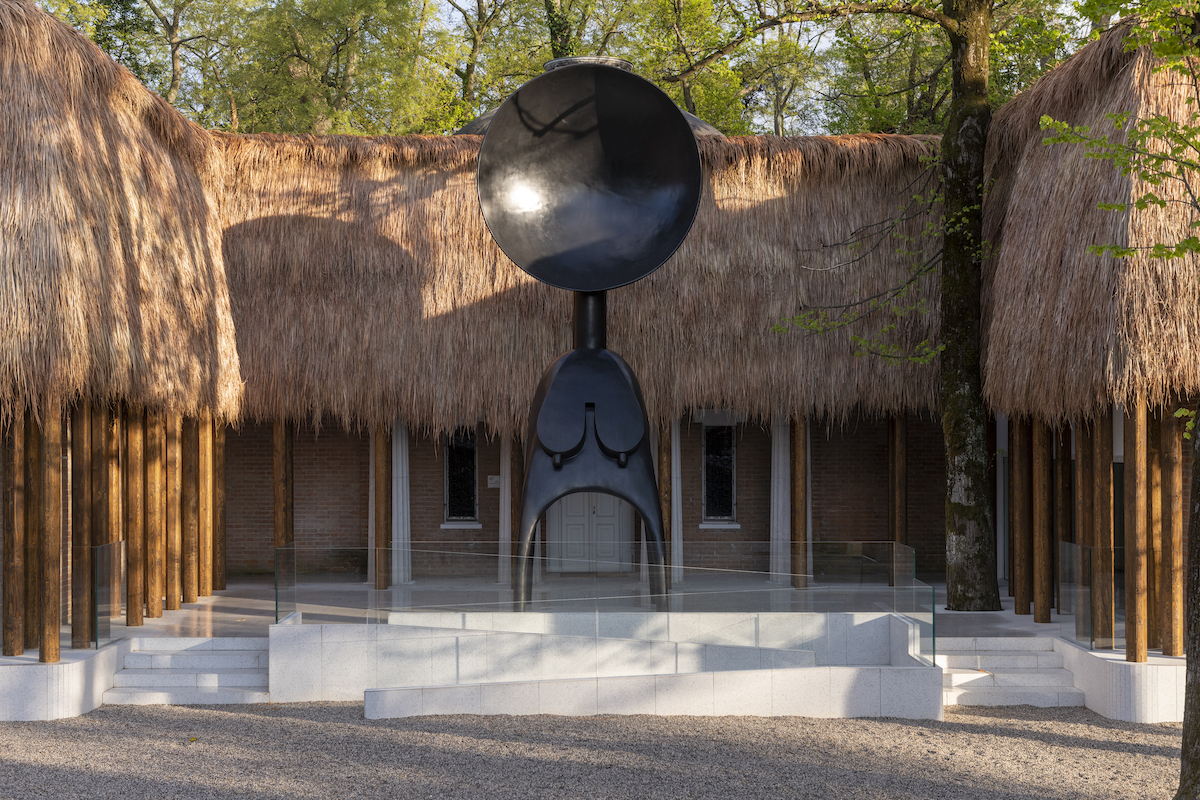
(462, 480)
(720, 476)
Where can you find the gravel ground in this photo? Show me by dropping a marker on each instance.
(320, 750)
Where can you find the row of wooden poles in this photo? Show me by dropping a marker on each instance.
(1049, 503)
(155, 481)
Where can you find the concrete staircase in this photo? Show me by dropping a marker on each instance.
(187, 671)
(1009, 671)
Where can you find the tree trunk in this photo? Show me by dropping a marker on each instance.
(1189, 767)
(558, 24)
(971, 583)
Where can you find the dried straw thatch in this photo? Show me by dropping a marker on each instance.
(365, 285)
(110, 254)
(1067, 332)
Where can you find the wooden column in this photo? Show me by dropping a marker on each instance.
(50, 544)
(898, 479)
(1102, 533)
(81, 526)
(1021, 512)
(218, 479)
(1154, 527)
(1042, 523)
(664, 491)
(1172, 566)
(383, 506)
(174, 512)
(33, 535)
(1085, 442)
(516, 482)
(1135, 531)
(798, 498)
(153, 513)
(284, 489)
(14, 537)
(1063, 529)
(189, 509)
(204, 513)
(112, 477)
(135, 531)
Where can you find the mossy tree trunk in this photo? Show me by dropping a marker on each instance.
(971, 583)
(1189, 767)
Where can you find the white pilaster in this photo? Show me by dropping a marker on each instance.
(781, 522)
(401, 516)
(504, 567)
(676, 509)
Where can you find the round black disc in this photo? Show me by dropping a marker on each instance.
(589, 177)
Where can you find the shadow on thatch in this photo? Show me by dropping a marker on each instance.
(365, 285)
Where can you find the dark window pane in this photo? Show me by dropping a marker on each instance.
(461, 482)
(718, 472)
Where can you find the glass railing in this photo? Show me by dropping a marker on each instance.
(108, 581)
(1092, 595)
(446, 580)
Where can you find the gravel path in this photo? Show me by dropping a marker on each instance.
(325, 750)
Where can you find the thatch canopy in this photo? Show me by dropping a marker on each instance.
(365, 285)
(111, 280)
(1067, 332)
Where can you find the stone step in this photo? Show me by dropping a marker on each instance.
(183, 696)
(994, 643)
(197, 660)
(1040, 696)
(164, 678)
(194, 643)
(993, 660)
(976, 678)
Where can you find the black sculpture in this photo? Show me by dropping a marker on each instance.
(589, 179)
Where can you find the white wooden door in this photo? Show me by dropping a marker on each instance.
(589, 532)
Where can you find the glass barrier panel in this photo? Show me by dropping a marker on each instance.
(108, 576)
(285, 581)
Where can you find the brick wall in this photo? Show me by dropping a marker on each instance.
(744, 548)
(472, 551)
(850, 485)
(332, 471)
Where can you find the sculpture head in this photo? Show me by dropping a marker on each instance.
(589, 177)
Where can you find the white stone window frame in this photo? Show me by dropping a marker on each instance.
(711, 521)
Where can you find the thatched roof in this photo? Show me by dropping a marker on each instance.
(111, 280)
(365, 285)
(1067, 332)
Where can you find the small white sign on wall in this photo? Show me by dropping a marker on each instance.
(493, 481)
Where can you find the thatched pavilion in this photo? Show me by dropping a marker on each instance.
(1099, 345)
(303, 339)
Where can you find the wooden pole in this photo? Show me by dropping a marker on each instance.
(14, 536)
(33, 535)
(112, 468)
(218, 478)
(1154, 527)
(189, 501)
(1172, 565)
(898, 479)
(284, 487)
(798, 476)
(1085, 442)
(204, 491)
(664, 491)
(517, 484)
(1063, 508)
(1102, 533)
(383, 506)
(1021, 515)
(82, 595)
(174, 512)
(153, 512)
(1042, 523)
(1135, 531)
(135, 531)
(50, 543)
